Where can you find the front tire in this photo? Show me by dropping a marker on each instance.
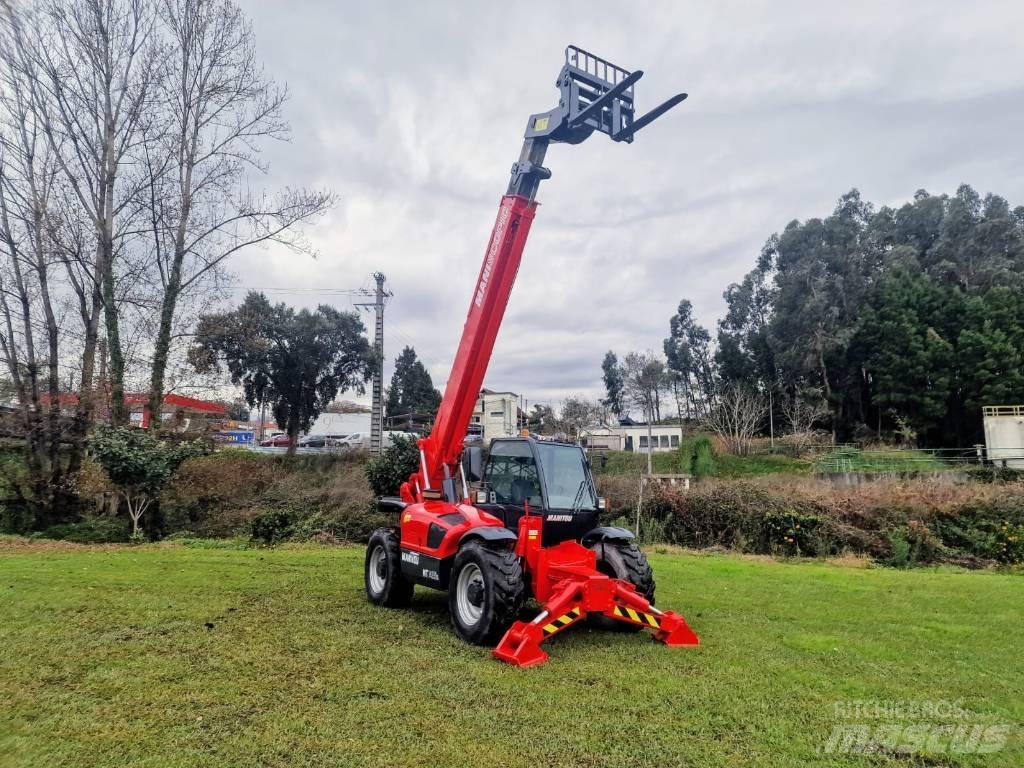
(485, 593)
(625, 561)
(382, 571)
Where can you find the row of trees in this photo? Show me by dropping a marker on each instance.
(872, 321)
(130, 138)
(900, 316)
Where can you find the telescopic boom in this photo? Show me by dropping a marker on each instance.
(595, 95)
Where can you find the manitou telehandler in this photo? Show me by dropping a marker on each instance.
(531, 529)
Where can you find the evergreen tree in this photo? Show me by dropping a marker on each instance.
(909, 363)
(411, 390)
(614, 385)
(296, 361)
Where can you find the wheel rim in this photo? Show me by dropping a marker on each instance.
(471, 580)
(377, 570)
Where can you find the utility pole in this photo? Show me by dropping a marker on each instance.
(377, 408)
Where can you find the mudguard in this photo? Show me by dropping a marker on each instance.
(606, 533)
(490, 536)
(390, 504)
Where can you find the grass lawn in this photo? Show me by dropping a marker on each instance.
(170, 656)
(849, 459)
(724, 466)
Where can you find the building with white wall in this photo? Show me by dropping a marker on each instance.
(496, 415)
(632, 437)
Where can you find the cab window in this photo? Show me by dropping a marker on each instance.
(512, 474)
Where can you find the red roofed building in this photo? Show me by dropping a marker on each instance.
(178, 410)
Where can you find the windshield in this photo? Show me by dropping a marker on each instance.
(512, 474)
(565, 475)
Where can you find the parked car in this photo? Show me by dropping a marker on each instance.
(357, 441)
(277, 441)
(360, 441)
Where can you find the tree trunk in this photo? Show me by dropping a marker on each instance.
(161, 350)
(118, 409)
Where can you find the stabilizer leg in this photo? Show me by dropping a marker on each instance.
(633, 608)
(521, 644)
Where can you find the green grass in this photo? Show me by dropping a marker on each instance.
(170, 656)
(724, 466)
(848, 459)
(728, 466)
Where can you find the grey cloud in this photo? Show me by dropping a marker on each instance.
(413, 113)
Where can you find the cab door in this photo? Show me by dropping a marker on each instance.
(512, 479)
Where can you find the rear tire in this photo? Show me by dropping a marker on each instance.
(382, 571)
(485, 593)
(625, 561)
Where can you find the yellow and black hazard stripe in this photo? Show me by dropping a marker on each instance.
(640, 617)
(561, 622)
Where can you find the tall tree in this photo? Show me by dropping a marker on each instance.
(296, 361)
(644, 383)
(95, 62)
(690, 361)
(745, 347)
(824, 272)
(614, 386)
(411, 390)
(910, 364)
(217, 107)
(30, 335)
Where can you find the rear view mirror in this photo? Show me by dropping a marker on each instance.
(473, 463)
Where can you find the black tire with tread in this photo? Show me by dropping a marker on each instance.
(626, 561)
(397, 591)
(503, 595)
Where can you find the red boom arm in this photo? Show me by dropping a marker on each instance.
(443, 447)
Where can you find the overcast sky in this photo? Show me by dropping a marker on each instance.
(413, 112)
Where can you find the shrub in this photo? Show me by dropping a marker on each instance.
(620, 493)
(914, 544)
(89, 530)
(899, 547)
(991, 474)
(790, 531)
(703, 457)
(344, 523)
(139, 463)
(1009, 543)
(273, 527)
(387, 472)
(221, 494)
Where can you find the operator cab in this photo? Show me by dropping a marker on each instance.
(552, 478)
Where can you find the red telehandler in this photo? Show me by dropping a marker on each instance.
(531, 529)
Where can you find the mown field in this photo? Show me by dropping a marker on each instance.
(179, 655)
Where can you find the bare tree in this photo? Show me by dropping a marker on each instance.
(645, 381)
(219, 107)
(802, 411)
(577, 413)
(737, 415)
(94, 63)
(30, 337)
